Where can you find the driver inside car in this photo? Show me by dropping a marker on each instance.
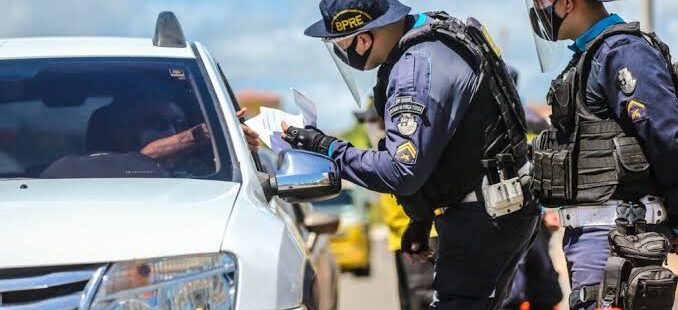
(137, 139)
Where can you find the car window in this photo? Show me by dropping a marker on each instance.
(108, 118)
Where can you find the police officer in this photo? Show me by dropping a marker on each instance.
(451, 116)
(614, 140)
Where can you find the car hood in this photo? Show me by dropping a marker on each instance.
(63, 222)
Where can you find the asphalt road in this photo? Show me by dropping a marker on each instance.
(379, 291)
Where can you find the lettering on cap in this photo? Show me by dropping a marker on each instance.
(349, 20)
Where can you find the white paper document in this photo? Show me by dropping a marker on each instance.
(268, 123)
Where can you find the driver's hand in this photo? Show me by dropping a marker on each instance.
(251, 136)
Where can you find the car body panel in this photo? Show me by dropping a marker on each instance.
(59, 47)
(79, 221)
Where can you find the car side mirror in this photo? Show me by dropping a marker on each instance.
(322, 223)
(304, 176)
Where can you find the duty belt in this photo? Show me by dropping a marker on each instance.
(475, 195)
(606, 214)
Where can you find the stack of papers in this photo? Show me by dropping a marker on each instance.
(268, 123)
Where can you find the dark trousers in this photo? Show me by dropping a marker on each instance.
(477, 255)
(536, 280)
(415, 281)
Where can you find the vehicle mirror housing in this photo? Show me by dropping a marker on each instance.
(304, 176)
(322, 223)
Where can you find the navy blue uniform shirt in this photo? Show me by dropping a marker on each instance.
(649, 110)
(431, 76)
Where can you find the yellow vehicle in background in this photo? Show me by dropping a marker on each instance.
(351, 244)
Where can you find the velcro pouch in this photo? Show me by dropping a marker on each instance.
(617, 269)
(642, 249)
(650, 288)
(630, 155)
(561, 100)
(551, 171)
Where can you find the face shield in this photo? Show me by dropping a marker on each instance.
(339, 50)
(545, 26)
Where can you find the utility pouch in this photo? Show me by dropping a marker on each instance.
(650, 288)
(561, 100)
(552, 171)
(617, 270)
(634, 276)
(642, 249)
(633, 163)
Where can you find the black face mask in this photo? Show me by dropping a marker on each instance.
(351, 56)
(550, 21)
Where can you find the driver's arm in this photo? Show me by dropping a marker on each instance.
(179, 144)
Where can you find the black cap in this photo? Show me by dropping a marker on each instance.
(345, 17)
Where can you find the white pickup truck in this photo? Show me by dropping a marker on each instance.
(126, 183)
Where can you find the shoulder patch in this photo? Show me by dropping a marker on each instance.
(406, 104)
(627, 82)
(406, 153)
(636, 110)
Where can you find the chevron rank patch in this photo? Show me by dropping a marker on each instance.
(636, 110)
(406, 153)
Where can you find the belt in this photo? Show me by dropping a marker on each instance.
(607, 213)
(473, 195)
(470, 197)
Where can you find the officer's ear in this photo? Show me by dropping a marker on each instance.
(570, 5)
(365, 42)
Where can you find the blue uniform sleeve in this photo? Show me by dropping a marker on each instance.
(640, 92)
(429, 90)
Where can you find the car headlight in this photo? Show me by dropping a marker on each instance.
(185, 282)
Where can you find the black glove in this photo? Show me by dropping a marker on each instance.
(416, 232)
(309, 138)
(381, 145)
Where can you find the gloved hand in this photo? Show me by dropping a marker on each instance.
(414, 241)
(309, 138)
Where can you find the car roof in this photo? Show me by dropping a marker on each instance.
(68, 47)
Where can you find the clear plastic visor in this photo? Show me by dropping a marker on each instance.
(549, 50)
(337, 49)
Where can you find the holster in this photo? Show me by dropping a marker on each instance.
(634, 276)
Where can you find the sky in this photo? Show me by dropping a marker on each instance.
(261, 46)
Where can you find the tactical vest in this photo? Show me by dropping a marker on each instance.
(494, 123)
(584, 159)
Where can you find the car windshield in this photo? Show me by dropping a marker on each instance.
(108, 118)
